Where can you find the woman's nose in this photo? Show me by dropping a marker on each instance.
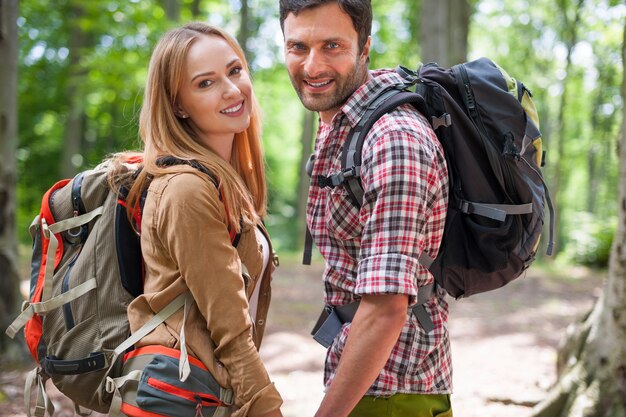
(231, 89)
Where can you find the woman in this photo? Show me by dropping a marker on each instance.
(199, 106)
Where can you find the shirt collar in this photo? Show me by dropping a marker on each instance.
(358, 102)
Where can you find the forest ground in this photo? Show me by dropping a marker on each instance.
(503, 342)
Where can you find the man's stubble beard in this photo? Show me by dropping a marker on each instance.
(322, 103)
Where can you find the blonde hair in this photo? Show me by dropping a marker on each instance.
(242, 179)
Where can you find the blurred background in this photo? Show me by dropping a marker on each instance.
(82, 68)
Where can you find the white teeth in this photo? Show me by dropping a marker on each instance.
(233, 109)
(316, 85)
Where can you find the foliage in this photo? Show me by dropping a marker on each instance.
(591, 240)
(529, 39)
(394, 34)
(121, 35)
(282, 113)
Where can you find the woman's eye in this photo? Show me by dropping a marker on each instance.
(205, 83)
(236, 70)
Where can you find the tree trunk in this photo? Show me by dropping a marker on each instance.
(596, 175)
(75, 125)
(172, 9)
(244, 30)
(9, 275)
(592, 362)
(306, 139)
(444, 28)
(195, 9)
(570, 40)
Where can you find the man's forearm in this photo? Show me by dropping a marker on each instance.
(373, 334)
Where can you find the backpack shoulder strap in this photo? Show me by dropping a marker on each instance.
(172, 160)
(168, 161)
(78, 206)
(351, 157)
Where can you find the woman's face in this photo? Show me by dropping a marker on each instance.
(215, 93)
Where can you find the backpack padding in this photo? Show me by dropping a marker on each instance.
(79, 207)
(128, 249)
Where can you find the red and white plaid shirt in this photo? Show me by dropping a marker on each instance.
(375, 249)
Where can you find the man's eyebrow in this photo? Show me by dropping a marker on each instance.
(208, 73)
(328, 40)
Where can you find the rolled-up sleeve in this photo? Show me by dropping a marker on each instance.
(401, 181)
(193, 230)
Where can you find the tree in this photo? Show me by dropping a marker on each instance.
(195, 9)
(570, 15)
(244, 29)
(444, 29)
(172, 9)
(591, 365)
(75, 124)
(306, 141)
(9, 277)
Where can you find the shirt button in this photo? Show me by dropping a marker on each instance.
(260, 322)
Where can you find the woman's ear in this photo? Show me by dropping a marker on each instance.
(179, 112)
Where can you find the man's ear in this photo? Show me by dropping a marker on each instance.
(365, 53)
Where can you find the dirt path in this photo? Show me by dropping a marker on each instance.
(503, 343)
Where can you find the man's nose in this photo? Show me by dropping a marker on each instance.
(314, 63)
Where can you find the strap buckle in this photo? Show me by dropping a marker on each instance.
(335, 180)
(411, 77)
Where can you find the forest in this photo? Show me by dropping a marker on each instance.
(77, 69)
(82, 67)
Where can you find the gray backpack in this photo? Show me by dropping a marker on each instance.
(86, 268)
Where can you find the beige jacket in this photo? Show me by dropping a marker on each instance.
(186, 247)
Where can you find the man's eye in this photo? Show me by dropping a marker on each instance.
(332, 45)
(298, 47)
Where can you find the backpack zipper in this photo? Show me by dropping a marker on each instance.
(65, 287)
(200, 399)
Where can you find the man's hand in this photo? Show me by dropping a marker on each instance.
(373, 334)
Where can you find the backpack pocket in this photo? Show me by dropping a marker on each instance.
(160, 390)
(464, 268)
(77, 364)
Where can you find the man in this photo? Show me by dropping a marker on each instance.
(384, 362)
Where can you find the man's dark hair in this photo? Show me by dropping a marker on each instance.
(360, 11)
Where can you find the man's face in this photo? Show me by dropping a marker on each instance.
(322, 57)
